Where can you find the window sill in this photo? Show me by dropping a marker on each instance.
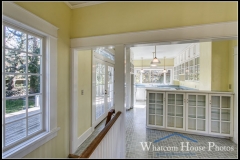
(28, 146)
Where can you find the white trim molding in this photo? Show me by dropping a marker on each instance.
(189, 33)
(19, 17)
(74, 102)
(235, 103)
(85, 4)
(83, 137)
(25, 18)
(30, 145)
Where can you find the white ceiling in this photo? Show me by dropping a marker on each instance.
(167, 51)
(79, 4)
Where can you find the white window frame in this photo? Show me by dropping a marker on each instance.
(21, 18)
(164, 78)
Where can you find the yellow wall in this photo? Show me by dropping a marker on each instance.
(189, 84)
(110, 18)
(146, 63)
(205, 66)
(121, 17)
(175, 82)
(231, 46)
(59, 15)
(216, 66)
(84, 83)
(220, 65)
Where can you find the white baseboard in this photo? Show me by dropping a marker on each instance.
(84, 136)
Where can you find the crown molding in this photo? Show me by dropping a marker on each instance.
(68, 4)
(13, 13)
(83, 5)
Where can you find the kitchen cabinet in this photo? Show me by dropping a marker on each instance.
(197, 112)
(156, 110)
(175, 110)
(221, 114)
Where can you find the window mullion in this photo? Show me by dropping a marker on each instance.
(27, 86)
(3, 90)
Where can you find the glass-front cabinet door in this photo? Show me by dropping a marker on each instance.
(175, 110)
(221, 114)
(156, 109)
(196, 110)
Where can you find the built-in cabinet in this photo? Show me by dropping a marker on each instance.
(175, 110)
(208, 113)
(220, 109)
(197, 112)
(186, 64)
(156, 110)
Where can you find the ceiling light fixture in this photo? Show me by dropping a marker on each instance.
(155, 60)
(164, 70)
(153, 64)
(142, 66)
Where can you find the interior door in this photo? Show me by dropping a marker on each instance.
(104, 90)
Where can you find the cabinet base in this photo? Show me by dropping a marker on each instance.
(188, 132)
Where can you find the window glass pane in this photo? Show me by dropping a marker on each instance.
(15, 109)
(15, 131)
(105, 53)
(146, 76)
(33, 84)
(34, 104)
(34, 63)
(100, 89)
(15, 39)
(15, 61)
(34, 44)
(168, 76)
(15, 85)
(137, 76)
(157, 76)
(34, 123)
(110, 86)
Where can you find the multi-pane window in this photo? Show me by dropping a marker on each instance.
(22, 89)
(100, 89)
(153, 76)
(168, 76)
(104, 53)
(146, 76)
(137, 76)
(110, 93)
(157, 76)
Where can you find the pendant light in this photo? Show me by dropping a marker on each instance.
(155, 60)
(164, 70)
(142, 66)
(153, 64)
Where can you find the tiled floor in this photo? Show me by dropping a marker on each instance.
(137, 132)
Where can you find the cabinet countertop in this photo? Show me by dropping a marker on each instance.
(187, 91)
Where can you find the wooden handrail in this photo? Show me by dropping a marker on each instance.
(109, 116)
(93, 145)
(73, 156)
